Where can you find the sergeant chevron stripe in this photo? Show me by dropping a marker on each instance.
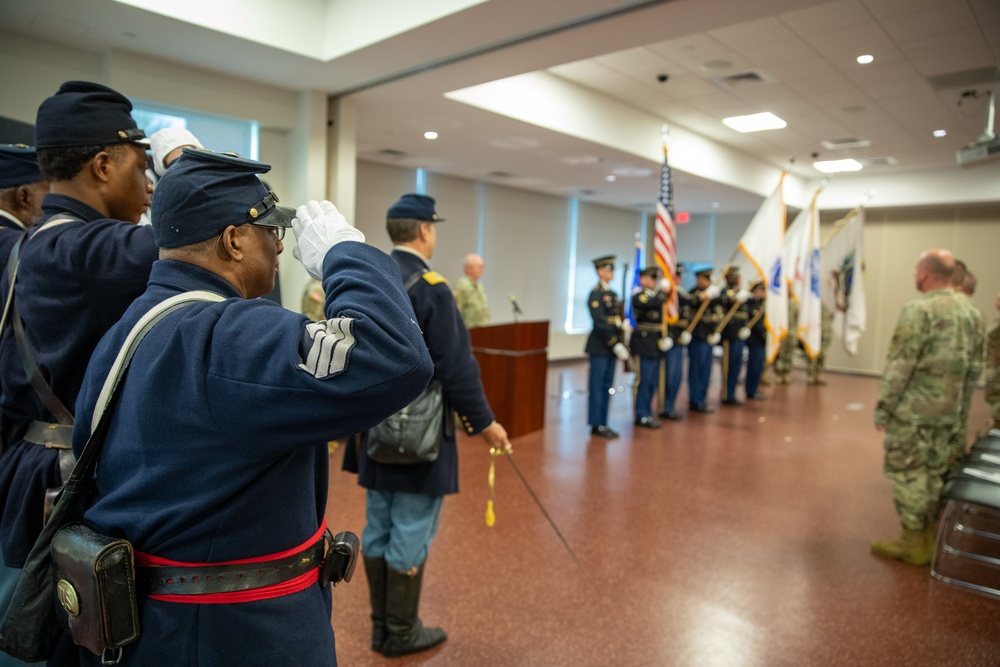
(328, 343)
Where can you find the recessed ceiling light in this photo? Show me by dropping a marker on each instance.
(833, 166)
(755, 122)
(430, 135)
(611, 178)
(865, 59)
(940, 133)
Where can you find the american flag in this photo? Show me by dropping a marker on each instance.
(666, 236)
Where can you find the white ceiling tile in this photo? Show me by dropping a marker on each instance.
(891, 79)
(770, 52)
(752, 32)
(923, 21)
(827, 16)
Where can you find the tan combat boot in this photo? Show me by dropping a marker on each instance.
(913, 547)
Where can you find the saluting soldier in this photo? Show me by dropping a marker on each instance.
(732, 342)
(604, 344)
(647, 307)
(700, 348)
(673, 357)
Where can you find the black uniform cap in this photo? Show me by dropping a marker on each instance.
(414, 207)
(606, 260)
(18, 166)
(86, 114)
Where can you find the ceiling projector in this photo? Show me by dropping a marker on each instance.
(986, 146)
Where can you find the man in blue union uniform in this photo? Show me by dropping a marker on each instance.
(605, 344)
(22, 188)
(216, 452)
(403, 501)
(80, 267)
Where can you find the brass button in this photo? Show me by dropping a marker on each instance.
(68, 597)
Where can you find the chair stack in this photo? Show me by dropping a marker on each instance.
(967, 553)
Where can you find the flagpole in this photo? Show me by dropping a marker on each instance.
(837, 226)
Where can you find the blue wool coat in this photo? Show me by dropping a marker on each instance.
(217, 448)
(75, 281)
(447, 339)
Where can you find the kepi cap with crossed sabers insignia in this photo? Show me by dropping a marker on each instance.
(607, 261)
(205, 192)
(18, 166)
(82, 113)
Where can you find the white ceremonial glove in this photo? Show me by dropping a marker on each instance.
(743, 333)
(621, 351)
(714, 338)
(319, 226)
(685, 338)
(743, 296)
(666, 343)
(627, 326)
(712, 292)
(665, 286)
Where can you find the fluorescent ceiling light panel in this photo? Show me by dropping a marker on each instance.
(755, 122)
(833, 166)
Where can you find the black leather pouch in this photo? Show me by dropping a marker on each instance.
(95, 584)
(341, 558)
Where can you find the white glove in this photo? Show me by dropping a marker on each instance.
(319, 226)
(743, 296)
(685, 338)
(743, 333)
(714, 338)
(665, 286)
(620, 351)
(712, 292)
(627, 326)
(665, 343)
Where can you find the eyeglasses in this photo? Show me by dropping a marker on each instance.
(278, 232)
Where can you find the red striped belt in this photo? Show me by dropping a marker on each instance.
(227, 582)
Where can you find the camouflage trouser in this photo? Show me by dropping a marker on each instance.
(917, 462)
(783, 361)
(815, 367)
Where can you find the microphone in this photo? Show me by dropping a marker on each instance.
(513, 303)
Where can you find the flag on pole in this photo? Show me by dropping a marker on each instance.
(842, 284)
(759, 255)
(636, 285)
(801, 259)
(665, 245)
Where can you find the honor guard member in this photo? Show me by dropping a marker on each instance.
(674, 355)
(647, 307)
(216, 454)
(604, 345)
(80, 267)
(756, 342)
(733, 341)
(700, 348)
(22, 188)
(403, 502)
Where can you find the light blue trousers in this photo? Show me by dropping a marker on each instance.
(400, 527)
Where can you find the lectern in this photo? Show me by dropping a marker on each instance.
(513, 359)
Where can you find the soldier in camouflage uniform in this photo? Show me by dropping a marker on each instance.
(783, 362)
(814, 367)
(977, 320)
(313, 300)
(993, 369)
(934, 351)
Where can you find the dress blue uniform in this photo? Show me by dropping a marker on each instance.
(216, 451)
(756, 346)
(18, 166)
(606, 313)
(732, 344)
(700, 351)
(647, 307)
(674, 357)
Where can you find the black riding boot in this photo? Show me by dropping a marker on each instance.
(406, 633)
(375, 570)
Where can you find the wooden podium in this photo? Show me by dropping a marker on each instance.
(513, 359)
